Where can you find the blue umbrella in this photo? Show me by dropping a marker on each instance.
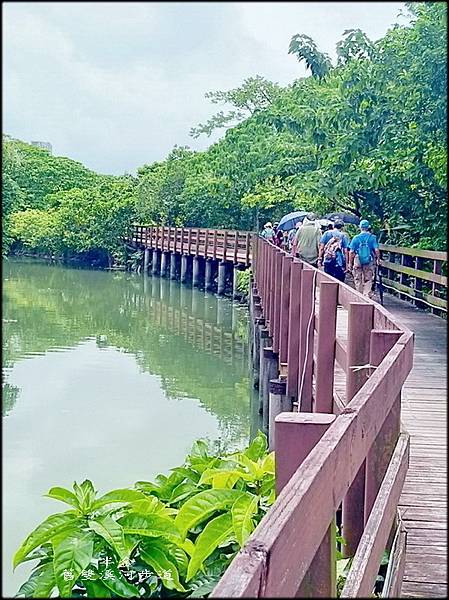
(345, 217)
(289, 221)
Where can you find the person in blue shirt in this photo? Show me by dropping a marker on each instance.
(333, 254)
(363, 256)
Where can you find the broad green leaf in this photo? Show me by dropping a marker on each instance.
(252, 466)
(147, 487)
(223, 478)
(85, 494)
(199, 450)
(164, 567)
(188, 474)
(268, 464)
(242, 511)
(188, 546)
(45, 582)
(72, 554)
(60, 493)
(121, 495)
(201, 506)
(95, 588)
(118, 584)
(182, 491)
(267, 485)
(258, 447)
(150, 526)
(216, 532)
(112, 532)
(151, 505)
(44, 532)
(28, 588)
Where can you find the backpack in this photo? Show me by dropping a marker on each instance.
(333, 252)
(364, 251)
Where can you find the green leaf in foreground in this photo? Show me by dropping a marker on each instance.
(53, 525)
(60, 493)
(112, 532)
(242, 511)
(150, 525)
(216, 532)
(201, 506)
(164, 567)
(72, 554)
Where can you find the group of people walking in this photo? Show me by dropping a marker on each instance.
(331, 248)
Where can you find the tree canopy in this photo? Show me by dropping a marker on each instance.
(365, 135)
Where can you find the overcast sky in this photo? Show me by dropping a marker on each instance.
(117, 85)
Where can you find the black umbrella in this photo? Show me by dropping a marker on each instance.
(345, 217)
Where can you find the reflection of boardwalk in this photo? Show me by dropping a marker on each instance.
(200, 334)
(423, 504)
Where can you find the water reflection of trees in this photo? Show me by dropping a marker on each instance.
(193, 341)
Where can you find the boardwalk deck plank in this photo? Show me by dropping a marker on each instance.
(423, 503)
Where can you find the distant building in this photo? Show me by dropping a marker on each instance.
(44, 145)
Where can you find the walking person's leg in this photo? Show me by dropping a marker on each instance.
(357, 274)
(368, 274)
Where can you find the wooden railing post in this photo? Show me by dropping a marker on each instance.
(360, 324)
(325, 362)
(306, 337)
(381, 451)
(236, 247)
(277, 298)
(248, 248)
(293, 320)
(225, 244)
(296, 435)
(285, 308)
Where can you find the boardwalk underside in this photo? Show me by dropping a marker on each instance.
(423, 504)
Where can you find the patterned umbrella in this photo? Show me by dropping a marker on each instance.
(289, 221)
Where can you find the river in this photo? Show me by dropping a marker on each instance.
(110, 376)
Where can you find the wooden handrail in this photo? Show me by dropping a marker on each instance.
(272, 562)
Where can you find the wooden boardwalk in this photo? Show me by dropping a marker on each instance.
(423, 503)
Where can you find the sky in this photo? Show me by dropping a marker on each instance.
(116, 85)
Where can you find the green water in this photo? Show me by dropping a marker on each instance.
(111, 377)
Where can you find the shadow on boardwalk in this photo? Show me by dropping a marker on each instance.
(423, 504)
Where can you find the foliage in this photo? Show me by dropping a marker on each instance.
(243, 282)
(256, 93)
(174, 536)
(366, 135)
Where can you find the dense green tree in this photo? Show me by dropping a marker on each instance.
(366, 135)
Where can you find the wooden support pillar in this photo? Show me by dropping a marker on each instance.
(146, 261)
(382, 449)
(235, 292)
(270, 371)
(277, 404)
(265, 342)
(221, 278)
(155, 262)
(295, 437)
(210, 274)
(255, 359)
(184, 268)
(197, 271)
(360, 324)
(174, 260)
(165, 261)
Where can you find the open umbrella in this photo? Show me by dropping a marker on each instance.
(289, 221)
(345, 217)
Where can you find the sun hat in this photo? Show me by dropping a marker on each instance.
(364, 224)
(311, 216)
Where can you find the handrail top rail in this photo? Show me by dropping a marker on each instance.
(419, 252)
